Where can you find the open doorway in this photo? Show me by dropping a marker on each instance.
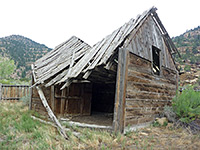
(102, 105)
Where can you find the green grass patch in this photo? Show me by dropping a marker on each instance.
(19, 131)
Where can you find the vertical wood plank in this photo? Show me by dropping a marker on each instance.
(31, 94)
(14, 91)
(82, 99)
(8, 92)
(67, 100)
(24, 91)
(52, 98)
(62, 107)
(11, 92)
(18, 96)
(120, 92)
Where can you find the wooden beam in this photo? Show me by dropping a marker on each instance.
(52, 98)
(120, 91)
(62, 107)
(50, 113)
(31, 94)
(48, 109)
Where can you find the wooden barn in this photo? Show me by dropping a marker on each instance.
(128, 77)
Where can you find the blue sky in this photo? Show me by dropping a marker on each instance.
(51, 22)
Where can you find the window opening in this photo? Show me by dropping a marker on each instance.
(156, 60)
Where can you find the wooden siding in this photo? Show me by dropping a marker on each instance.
(148, 35)
(146, 93)
(73, 100)
(36, 103)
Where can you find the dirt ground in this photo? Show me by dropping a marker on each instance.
(162, 138)
(97, 118)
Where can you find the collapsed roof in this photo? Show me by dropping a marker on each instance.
(74, 57)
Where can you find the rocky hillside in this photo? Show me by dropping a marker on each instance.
(188, 45)
(23, 51)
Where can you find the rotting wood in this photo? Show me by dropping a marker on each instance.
(56, 68)
(62, 107)
(120, 93)
(52, 98)
(77, 134)
(72, 123)
(48, 109)
(54, 51)
(50, 113)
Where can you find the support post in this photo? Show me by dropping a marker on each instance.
(120, 91)
(31, 94)
(62, 107)
(52, 98)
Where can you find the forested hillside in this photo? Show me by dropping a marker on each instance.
(23, 51)
(188, 45)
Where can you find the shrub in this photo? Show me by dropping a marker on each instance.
(187, 68)
(187, 105)
(25, 100)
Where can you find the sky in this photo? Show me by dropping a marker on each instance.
(52, 22)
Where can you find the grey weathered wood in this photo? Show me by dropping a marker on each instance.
(61, 65)
(50, 113)
(57, 69)
(57, 78)
(31, 94)
(62, 107)
(59, 60)
(48, 109)
(102, 50)
(85, 59)
(52, 98)
(55, 53)
(120, 91)
(68, 82)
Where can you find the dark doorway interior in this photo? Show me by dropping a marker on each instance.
(102, 105)
(103, 96)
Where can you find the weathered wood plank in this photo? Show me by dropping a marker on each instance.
(120, 93)
(52, 98)
(50, 113)
(48, 109)
(62, 107)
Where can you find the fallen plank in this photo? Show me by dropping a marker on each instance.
(50, 113)
(72, 123)
(77, 134)
(48, 109)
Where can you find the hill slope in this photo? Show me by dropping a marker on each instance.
(188, 45)
(23, 51)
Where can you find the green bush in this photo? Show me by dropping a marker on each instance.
(187, 105)
(25, 100)
(187, 68)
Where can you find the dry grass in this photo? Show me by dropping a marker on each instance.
(19, 131)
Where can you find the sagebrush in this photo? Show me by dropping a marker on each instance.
(186, 105)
